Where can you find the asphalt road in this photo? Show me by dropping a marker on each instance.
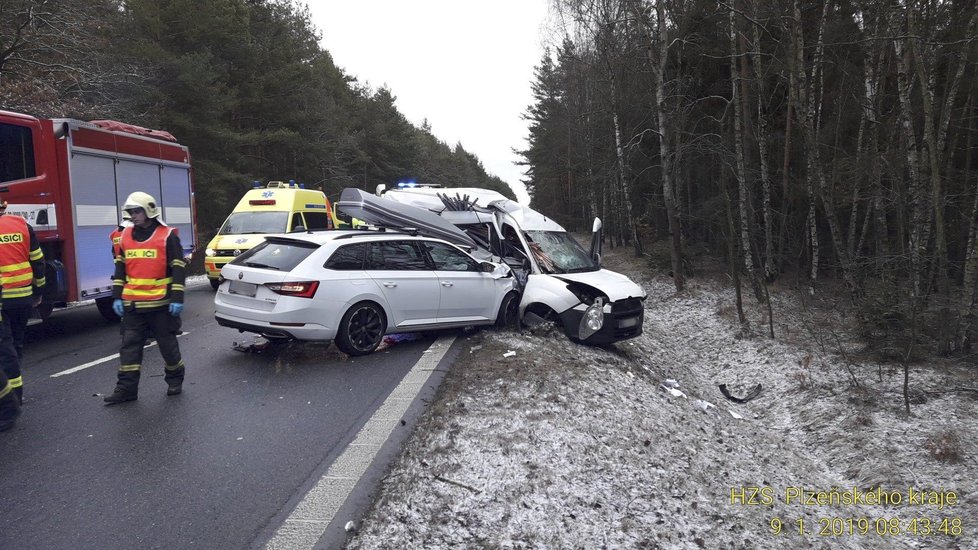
(216, 467)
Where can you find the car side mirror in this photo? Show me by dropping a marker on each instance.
(498, 271)
(298, 229)
(595, 251)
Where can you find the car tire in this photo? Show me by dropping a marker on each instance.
(509, 312)
(215, 283)
(362, 329)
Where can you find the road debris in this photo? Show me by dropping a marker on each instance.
(754, 392)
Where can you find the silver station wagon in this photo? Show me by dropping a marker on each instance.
(353, 287)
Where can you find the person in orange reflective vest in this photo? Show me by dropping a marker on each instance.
(116, 235)
(147, 291)
(22, 279)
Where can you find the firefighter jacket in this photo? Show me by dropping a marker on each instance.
(21, 260)
(149, 270)
(116, 237)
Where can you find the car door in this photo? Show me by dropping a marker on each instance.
(467, 293)
(408, 283)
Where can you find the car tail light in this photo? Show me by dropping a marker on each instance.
(299, 289)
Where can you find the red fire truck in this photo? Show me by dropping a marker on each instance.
(69, 178)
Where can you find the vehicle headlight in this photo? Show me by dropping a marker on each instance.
(210, 252)
(593, 319)
(594, 316)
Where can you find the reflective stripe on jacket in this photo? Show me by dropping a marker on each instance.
(146, 265)
(16, 273)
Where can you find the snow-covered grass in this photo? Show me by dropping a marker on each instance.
(568, 446)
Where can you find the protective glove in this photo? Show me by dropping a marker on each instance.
(176, 309)
(117, 307)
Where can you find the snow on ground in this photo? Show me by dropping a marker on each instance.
(567, 446)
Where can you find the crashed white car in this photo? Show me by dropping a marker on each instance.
(353, 287)
(557, 279)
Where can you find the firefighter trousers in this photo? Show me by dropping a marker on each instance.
(136, 326)
(18, 313)
(8, 357)
(9, 404)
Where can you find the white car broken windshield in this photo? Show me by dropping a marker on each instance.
(558, 252)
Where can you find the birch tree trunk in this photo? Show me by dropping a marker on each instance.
(919, 220)
(665, 152)
(770, 269)
(658, 44)
(967, 304)
(811, 140)
(868, 148)
(743, 202)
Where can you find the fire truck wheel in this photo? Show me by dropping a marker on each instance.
(44, 310)
(104, 306)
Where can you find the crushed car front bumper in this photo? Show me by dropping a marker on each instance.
(622, 320)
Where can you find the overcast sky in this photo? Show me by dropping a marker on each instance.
(465, 65)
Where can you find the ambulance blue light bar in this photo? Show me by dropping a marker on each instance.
(409, 184)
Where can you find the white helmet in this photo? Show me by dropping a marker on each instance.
(144, 201)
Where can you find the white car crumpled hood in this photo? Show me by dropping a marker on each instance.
(615, 285)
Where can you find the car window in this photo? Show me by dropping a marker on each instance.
(16, 153)
(277, 254)
(348, 257)
(316, 220)
(395, 256)
(297, 221)
(449, 258)
(240, 223)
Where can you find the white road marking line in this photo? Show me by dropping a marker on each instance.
(103, 360)
(310, 518)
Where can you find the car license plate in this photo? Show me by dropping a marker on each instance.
(242, 288)
(625, 323)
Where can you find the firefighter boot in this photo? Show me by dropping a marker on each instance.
(174, 380)
(126, 388)
(9, 411)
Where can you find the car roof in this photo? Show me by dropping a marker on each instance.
(349, 235)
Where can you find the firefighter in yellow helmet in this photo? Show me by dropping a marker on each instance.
(22, 279)
(147, 291)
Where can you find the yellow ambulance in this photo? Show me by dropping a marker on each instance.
(278, 207)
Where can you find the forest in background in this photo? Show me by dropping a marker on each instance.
(244, 84)
(829, 141)
(833, 140)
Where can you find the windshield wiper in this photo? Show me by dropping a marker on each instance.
(261, 265)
